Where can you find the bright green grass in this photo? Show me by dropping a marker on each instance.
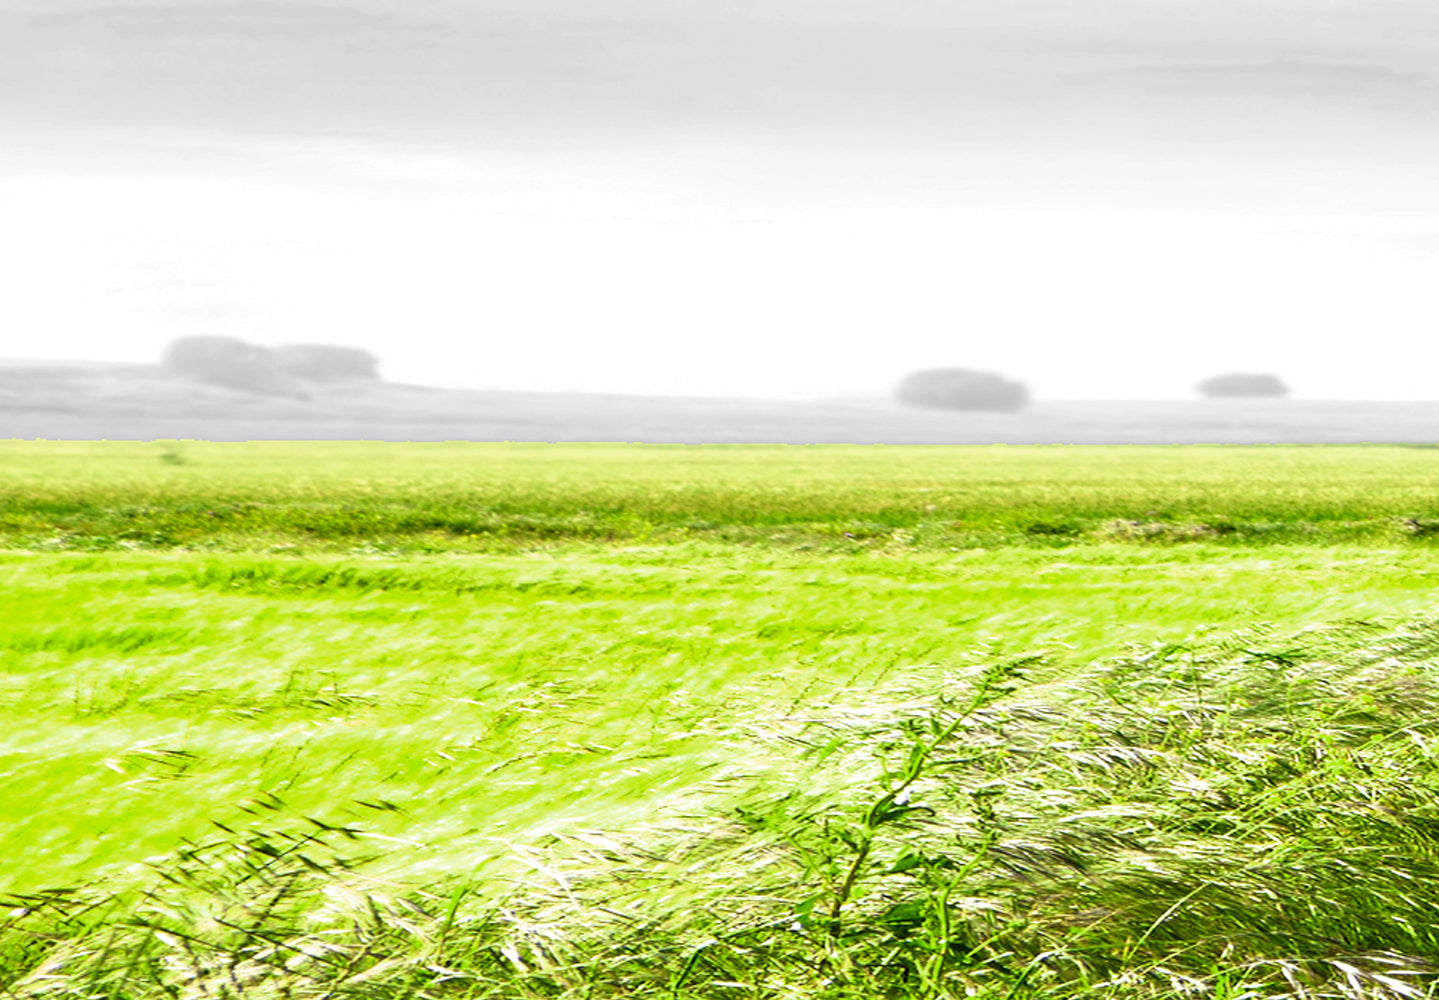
(467, 496)
(500, 697)
(474, 653)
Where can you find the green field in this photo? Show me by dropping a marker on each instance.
(386, 720)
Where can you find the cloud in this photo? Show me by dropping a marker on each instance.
(962, 71)
(1281, 79)
(212, 19)
(958, 73)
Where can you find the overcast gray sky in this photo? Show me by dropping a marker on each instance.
(1105, 198)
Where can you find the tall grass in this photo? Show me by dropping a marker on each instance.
(1255, 816)
(512, 696)
(355, 720)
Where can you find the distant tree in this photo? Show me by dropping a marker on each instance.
(1235, 384)
(961, 389)
(328, 363)
(232, 363)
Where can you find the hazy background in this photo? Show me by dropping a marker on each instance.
(1104, 198)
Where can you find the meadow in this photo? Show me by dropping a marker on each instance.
(498, 720)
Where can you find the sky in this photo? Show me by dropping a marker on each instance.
(1105, 199)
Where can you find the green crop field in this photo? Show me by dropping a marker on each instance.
(353, 719)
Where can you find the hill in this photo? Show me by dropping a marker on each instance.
(102, 400)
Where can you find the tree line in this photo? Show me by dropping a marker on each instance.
(291, 369)
(968, 389)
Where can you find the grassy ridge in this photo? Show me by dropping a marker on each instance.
(467, 496)
(729, 743)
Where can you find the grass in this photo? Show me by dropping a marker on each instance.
(755, 758)
(464, 496)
